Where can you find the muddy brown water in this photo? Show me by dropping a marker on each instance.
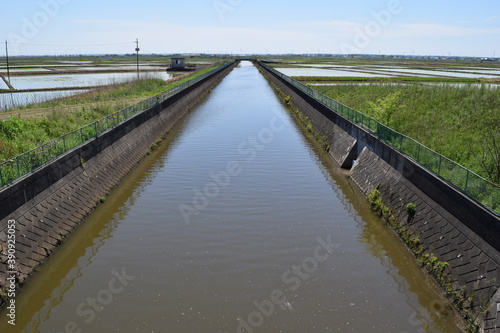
(237, 223)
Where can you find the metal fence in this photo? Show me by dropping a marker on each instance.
(24, 164)
(473, 185)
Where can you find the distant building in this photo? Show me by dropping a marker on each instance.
(487, 60)
(178, 64)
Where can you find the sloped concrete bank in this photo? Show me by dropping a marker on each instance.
(455, 239)
(43, 208)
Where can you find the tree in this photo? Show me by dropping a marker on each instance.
(385, 108)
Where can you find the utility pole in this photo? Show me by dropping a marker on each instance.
(7, 59)
(137, 50)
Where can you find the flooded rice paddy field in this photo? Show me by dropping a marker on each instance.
(377, 68)
(59, 75)
(45, 73)
(328, 72)
(67, 74)
(78, 80)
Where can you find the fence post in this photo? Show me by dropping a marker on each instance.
(18, 169)
(466, 181)
(439, 166)
(1, 176)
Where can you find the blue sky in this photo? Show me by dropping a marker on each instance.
(466, 28)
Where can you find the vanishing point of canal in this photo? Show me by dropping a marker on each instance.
(237, 223)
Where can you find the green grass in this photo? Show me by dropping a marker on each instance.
(145, 88)
(462, 123)
(20, 135)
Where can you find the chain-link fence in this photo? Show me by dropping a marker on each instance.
(474, 186)
(26, 163)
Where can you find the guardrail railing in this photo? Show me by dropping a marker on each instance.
(474, 186)
(26, 163)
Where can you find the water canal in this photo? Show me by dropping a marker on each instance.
(237, 223)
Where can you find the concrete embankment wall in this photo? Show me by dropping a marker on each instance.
(49, 203)
(452, 227)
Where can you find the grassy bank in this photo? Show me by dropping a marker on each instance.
(459, 122)
(19, 133)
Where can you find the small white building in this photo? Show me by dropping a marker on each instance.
(178, 64)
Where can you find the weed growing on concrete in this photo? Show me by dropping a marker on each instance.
(288, 100)
(60, 238)
(437, 268)
(3, 296)
(411, 209)
(154, 147)
(485, 308)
